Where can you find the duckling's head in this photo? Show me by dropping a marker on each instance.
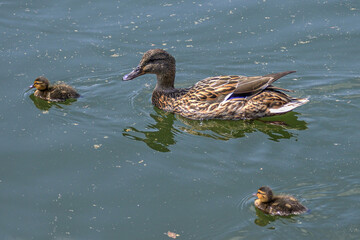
(264, 194)
(155, 61)
(41, 83)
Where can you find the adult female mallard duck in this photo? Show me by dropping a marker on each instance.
(223, 97)
(56, 93)
(282, 205)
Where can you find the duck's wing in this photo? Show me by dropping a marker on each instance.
(252, 85)
(213, 89)
(62, 92)
(224, 87)
(287, 205)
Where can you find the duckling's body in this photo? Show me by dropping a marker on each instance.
(222, 97)
(57, 93)
(282, 205)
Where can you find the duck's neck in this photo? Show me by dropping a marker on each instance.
(165, 82)
(49, 88)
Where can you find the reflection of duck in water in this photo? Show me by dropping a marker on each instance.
(160, 135)
(56, 93)
(281, 205)
(46, 105)
(223, 97)
(264, 219)
(275, 127)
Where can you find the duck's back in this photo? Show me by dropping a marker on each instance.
(213, 89)
(59, 92)
(283, 206)
(63, 92)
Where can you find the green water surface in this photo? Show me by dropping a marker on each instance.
(112, 166)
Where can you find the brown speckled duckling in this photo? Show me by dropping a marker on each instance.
(282, 205)
(56, 93)
(224, 97)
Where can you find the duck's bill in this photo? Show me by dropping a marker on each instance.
(30, 87)
(134, 74)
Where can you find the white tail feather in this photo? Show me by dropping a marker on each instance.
(289, 106)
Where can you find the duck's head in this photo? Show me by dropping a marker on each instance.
(155, 61)
(264, 194)
(41, 83)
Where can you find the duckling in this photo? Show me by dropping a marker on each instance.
(230, 97)
(55, 93)
(282, 205)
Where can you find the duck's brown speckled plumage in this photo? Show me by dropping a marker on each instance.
(281, 205)
(222, 97)
(56, 93)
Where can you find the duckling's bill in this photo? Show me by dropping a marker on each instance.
(133, 74)
(30, 87)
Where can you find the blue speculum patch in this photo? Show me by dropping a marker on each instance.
(236, 96)
(232, 96)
